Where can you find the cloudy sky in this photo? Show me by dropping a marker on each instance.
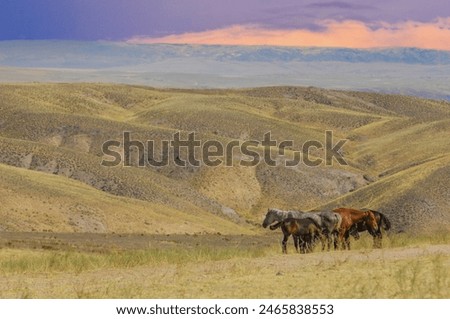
(348, 23)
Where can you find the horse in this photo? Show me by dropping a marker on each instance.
(329, 222)
(383, 223)
(305, 229)
(278, 215)
(350, 217)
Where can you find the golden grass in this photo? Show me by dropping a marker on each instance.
(414, 269)
(37, 262)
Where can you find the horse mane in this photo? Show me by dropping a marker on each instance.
(286, 213)
(278, 211)
(275, 210)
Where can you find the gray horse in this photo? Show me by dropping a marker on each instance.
(328, 221)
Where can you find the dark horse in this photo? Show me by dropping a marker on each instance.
(329, 222)
(351, 217)
(383, 223)
(305, 229)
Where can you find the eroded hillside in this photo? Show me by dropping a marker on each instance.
(397, 152)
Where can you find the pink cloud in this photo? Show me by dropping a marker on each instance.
(349, 33)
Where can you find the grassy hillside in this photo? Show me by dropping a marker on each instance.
(50, 153)
(33, 201)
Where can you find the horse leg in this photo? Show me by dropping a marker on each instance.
(341, 239)
(329, 239)
(347, 240)
(301, 244)
(311, 242)
(335, 240)
(322, 239)
(283, 244)
(377, 240)
(307, 243)
(296, 242)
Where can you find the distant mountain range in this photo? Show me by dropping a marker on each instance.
(393, 70)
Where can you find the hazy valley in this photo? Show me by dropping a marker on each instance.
(409, 71)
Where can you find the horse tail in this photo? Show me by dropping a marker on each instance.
(385, 222)
(277, 225)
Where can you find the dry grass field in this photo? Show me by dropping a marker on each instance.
(70, 227)
(219, 266)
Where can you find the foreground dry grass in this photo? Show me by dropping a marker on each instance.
(415, 271)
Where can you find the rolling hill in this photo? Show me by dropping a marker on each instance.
(51, 138)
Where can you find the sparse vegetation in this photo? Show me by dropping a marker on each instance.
(59, 128)
(55, 192)
(413, 270)
(38, 262)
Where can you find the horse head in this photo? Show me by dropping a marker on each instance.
(371, 222)
(353, 231)
(271, 216)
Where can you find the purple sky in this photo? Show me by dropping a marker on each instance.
(123, 19)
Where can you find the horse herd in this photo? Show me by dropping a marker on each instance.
(330, 227)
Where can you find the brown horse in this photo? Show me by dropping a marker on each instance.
(350, 217)
(304, 231)
(383, 223)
